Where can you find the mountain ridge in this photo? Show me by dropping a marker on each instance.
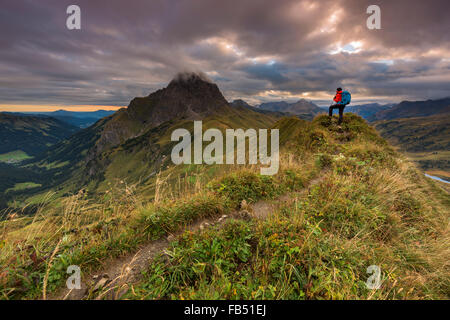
(79, 119)
(188, 96)
(410, 109)
(341, 194)
(302, 108)
(368, 110)
(140, 134)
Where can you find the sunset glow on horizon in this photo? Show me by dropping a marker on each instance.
(48, 108)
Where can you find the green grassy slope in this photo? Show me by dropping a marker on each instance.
(370, 207)
(138, 160)
(134, 143)
(343, 200)
(31, 134)
(76, 164)
(425, 139)
(24, 138)
(49, 169)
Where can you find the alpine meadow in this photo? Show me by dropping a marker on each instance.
(237, 151)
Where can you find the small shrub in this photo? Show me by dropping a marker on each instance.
(324, 160)
(246, 186)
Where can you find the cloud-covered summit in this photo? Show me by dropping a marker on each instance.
(187, 76)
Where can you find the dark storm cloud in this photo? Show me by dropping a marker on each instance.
(270, 72)
(254, 49)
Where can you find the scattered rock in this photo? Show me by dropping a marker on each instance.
(170, 237)
(244, 214)
(204, 225)
(101, 281)
(76, 294)
(222, 218)
(243, 205)
(128, 269)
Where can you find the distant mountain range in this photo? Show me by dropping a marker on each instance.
(308, 110)
(134, 143)
(367, 111)
(412, 109)
(98, 114)
(78, 119)
(405, 109)
(239, 103)
(302, 108)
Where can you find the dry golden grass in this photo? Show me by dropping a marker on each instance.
(411, 242)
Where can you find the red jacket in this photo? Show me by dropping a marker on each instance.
(338, 96)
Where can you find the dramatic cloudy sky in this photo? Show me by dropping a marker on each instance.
(253, 49)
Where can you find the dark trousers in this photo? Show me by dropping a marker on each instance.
(341, 111)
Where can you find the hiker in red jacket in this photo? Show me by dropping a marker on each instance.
(338, 105)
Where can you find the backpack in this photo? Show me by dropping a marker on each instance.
(346, 97)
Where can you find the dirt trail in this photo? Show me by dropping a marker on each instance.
(114, 280)
(262, 209)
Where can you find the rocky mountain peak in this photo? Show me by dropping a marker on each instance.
(188, 96)
(195, 91)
